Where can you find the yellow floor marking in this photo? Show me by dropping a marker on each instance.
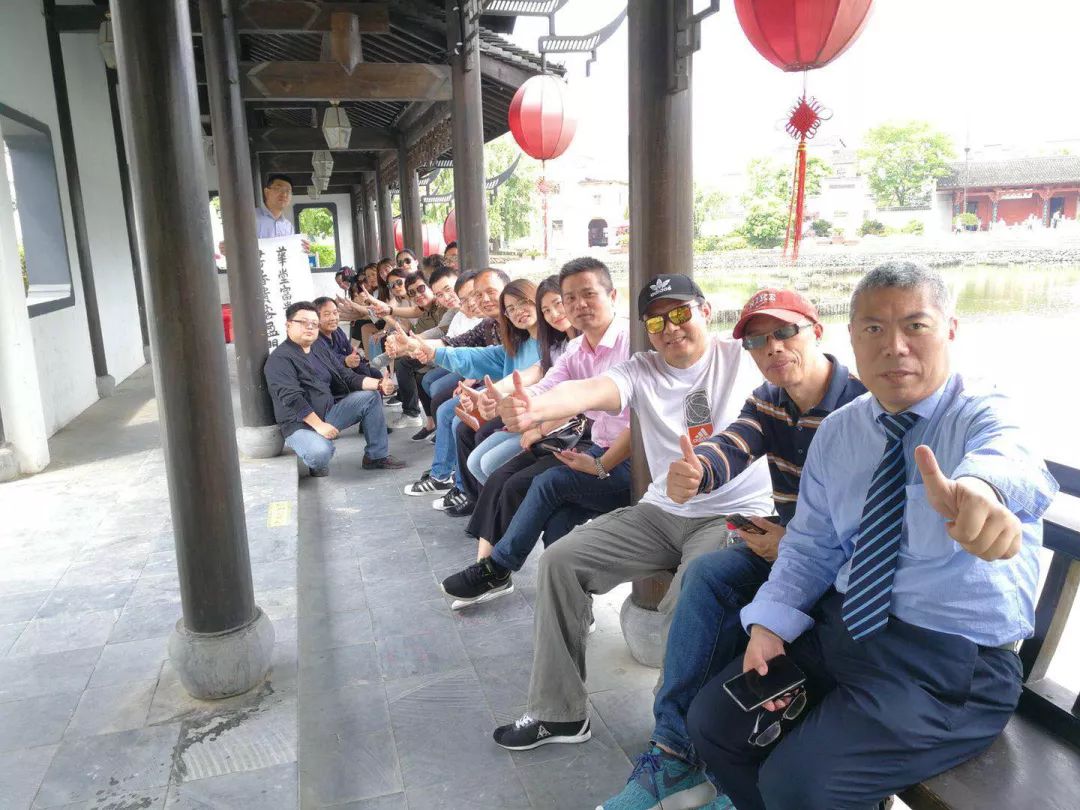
(279, 514)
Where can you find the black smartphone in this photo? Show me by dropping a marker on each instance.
(751, 689)
(739, 522)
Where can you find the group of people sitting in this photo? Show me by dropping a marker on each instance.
(877, 534)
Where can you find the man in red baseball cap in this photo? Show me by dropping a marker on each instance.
(787, 305)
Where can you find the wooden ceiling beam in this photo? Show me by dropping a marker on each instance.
(369, 81)
(434, 115)
(297, 17)
(309, 139)
(300, 162)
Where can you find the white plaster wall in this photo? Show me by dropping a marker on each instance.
(110, 252)
(61, 339)
(324, 282)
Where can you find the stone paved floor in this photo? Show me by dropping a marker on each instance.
(91, 713)
(399, 694)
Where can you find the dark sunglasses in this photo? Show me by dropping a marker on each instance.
(397, 282)
(678, 316)
(418, 289)
(783, 333)
(405, 260)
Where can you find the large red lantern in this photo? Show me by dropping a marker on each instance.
(433, 242)
(449, 228)
(801, 35)
(541, 119)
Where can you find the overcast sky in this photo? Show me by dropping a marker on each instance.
(1006, 72)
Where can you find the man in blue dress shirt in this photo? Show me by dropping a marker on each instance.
(904, 581)
(270, 219)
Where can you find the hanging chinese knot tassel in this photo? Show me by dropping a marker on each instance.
(803, 122)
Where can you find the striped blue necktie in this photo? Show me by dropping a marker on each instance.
(873, 565)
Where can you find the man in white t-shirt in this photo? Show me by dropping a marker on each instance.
(692, 384)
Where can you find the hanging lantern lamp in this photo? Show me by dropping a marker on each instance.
(336, 127)
(322, 162)
(541, 117)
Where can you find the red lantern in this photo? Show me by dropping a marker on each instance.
(449, 228)
(433, 242)
(801, 35)
(541, 119)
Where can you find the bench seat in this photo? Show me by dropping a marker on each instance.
(1025, 768)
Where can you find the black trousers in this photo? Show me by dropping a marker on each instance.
(883, 714)
(503, 493)
(465, 441)
(410, 392)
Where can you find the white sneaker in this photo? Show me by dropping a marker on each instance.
(405, 421)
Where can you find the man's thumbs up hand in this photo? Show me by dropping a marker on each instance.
(974, 517)
(685, 474)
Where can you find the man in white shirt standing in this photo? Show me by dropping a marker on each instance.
(270, 219)
(690, 384)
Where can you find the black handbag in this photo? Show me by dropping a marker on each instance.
(564, 437)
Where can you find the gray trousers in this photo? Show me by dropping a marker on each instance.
(623, 545)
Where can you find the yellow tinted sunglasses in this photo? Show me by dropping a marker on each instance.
(678, 316)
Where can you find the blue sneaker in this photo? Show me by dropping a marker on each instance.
(660, 780)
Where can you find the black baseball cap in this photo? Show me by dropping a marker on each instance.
(674, 286)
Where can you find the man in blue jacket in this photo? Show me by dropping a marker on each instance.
(315, 396)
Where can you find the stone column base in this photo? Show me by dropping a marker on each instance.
(9, 465)
(643, 631)
(146, 353)
(106, 386)
(220, 665)
(259, 442)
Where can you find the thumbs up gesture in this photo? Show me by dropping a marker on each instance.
(487, 404)
(974, 517)
(515, 409)
(684, 475)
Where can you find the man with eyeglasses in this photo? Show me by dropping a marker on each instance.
(691, 381)
(316, 397)
(780, 331)
(904, 581)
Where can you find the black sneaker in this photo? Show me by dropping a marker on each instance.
(428, 485)
(480, 582)
(319, 473)
(388, 463)
(422, 434)
(527, 733)
(454, 497)
(464, 510)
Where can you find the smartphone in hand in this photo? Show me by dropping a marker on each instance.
(740, 522)
(751, 689)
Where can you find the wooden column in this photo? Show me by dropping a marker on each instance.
(467, 122)
(356, 209)
(661, 195)
(371, 220)
(412, 222)
(227, 119)
(386, 214)
(191, 378)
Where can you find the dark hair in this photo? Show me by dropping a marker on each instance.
(499, 273)
(547, 335)
(413, 278)
(512, 337)
(587, 264)
(299, 306)
(464, 277)
(397, 272)
(442, 272)
(449, 246)
(270, 180)
(406, 251)
(321, 302)
(382, 292)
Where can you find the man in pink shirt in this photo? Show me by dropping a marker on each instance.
(521, 496)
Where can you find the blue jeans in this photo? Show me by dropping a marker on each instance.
(552, 489)
(705, 636)
(364, 407)
(492, 453)
(445, 461)
(439, 380)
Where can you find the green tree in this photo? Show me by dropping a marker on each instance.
(316, 222)
(707, 206)
(765, 225)
(768, 179)
(442, 184)
(511, 213)
(902, 160)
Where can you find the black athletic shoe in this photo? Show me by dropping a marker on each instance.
(453, 497)
(527, 733)
(422, 434)
(427, 485)
(480, 582)
(319, 473)
(462, 510)
(388, 463)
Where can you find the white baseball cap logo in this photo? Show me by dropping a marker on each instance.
(661, 285)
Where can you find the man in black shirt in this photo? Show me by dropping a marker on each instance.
(315, 396)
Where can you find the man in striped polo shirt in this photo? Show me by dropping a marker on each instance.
(780, 330)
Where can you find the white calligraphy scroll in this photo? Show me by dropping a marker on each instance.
(286, 278)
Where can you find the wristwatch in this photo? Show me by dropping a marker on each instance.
(601, 473)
